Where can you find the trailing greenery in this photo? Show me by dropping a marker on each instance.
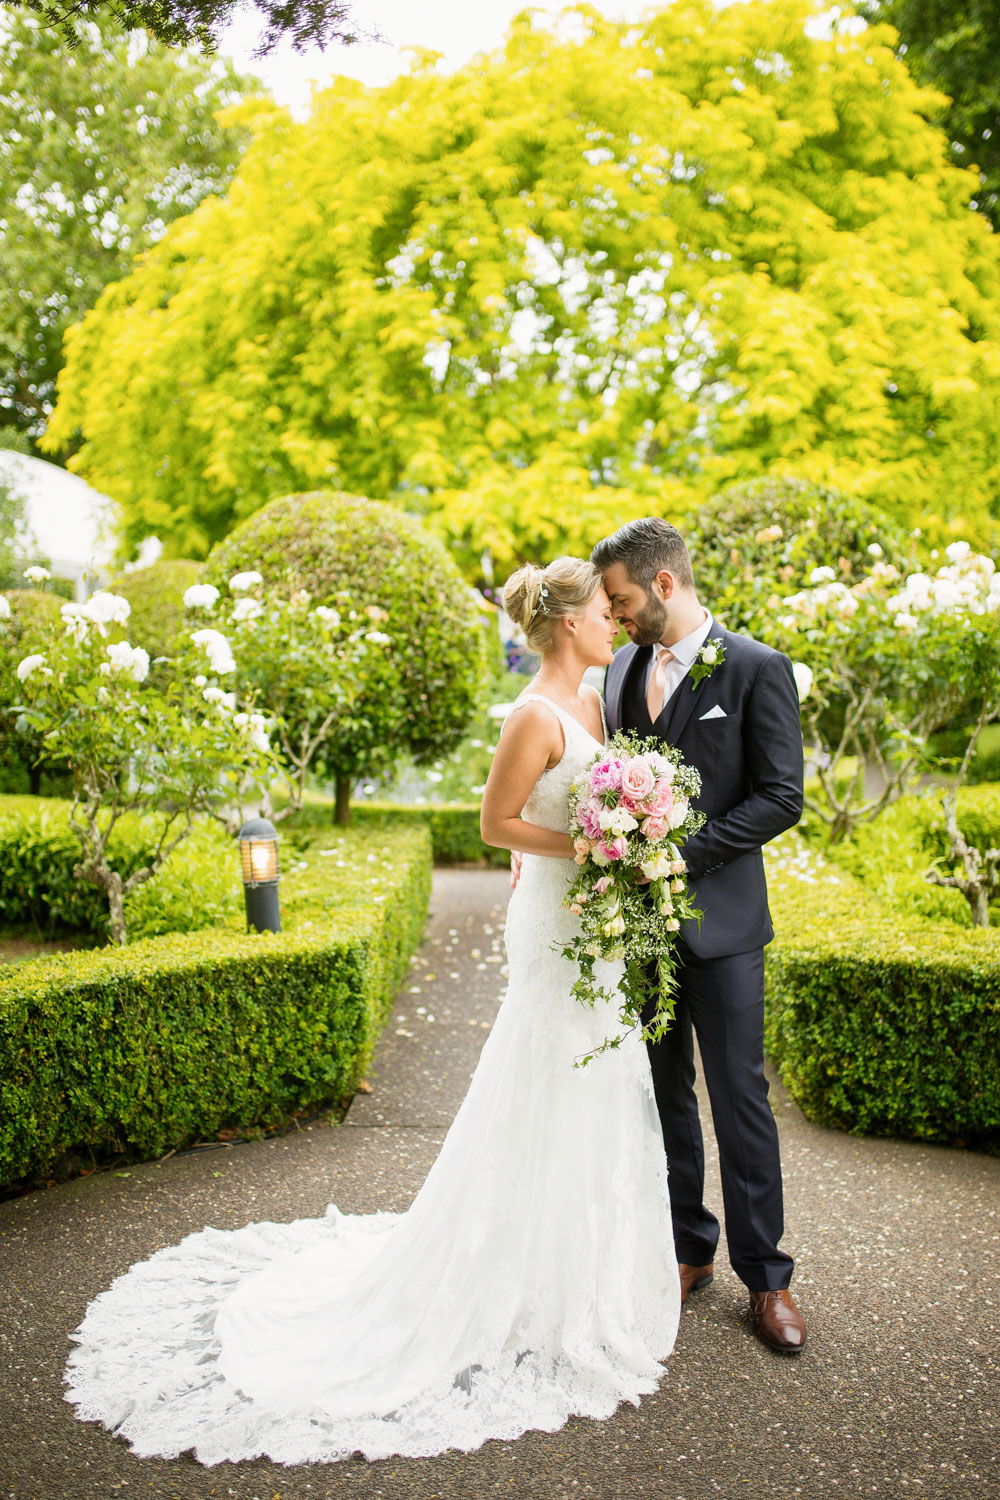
(876, 1024)
(143, 1049)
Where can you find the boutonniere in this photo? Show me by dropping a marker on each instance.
(710, 656)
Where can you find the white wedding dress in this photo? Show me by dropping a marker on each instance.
(533, 1278)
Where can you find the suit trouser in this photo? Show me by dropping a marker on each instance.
(722, 1001)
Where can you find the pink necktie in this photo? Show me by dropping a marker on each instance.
(658, 684)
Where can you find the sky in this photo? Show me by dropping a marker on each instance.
(457, 28)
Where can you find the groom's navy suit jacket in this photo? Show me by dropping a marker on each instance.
(751, 764)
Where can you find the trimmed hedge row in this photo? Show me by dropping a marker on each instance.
(877, 1023)
(453, 827)
(142, 1049)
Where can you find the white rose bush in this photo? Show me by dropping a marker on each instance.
(311, 666)
(170, 753)
(630, 813)
(882, 663)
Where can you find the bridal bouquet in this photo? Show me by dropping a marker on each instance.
(630, 813)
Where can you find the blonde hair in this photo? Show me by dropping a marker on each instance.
(535, 598)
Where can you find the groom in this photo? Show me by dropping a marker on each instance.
(738, 723)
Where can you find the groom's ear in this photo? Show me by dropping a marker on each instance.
(665, 582)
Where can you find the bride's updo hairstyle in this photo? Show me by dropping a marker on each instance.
(535, 598)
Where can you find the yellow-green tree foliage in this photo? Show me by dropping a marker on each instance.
(581, 278)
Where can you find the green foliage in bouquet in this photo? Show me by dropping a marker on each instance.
(358, 557)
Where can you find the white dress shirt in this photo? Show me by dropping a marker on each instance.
(684, 652)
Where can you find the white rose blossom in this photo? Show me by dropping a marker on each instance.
(247, 609)
(28, 665)
(131, 659)
(327, 615)
(678, 813)
(4, 607)
(36, 574)
(874, 550)
(107, 609)
(708, 655)
(241, 582)
(216, 646)
(200, 596)
(822, 575)
(803, 675)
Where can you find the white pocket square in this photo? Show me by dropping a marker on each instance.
(715, 713)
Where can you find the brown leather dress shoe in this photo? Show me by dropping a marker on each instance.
(693, 1278)
(779, 1321)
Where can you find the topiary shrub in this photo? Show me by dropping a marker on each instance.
(358, 555)
(156, 595)
(33, 612)
(765, 536)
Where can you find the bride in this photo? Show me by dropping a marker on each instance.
(534, 1276)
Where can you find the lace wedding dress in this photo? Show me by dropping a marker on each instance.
(533, 1277)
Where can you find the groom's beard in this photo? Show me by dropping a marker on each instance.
(650, 621)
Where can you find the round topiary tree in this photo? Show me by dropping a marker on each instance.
(377, 566)
(33, 612)
(763, 538)
(156, 595)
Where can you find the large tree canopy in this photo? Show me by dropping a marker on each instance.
(305, 23)
(954, 45)
(647, 260)
(101, 147)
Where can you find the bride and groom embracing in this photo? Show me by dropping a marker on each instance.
(540, 1271)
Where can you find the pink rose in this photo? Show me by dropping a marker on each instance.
(638, 781)
(655, 827)
(604, 884)
(614, 848)
(661, 801)
(582, 850)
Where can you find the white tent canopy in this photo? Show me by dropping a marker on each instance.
(71, 522)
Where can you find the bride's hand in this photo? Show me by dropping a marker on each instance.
(515, 868)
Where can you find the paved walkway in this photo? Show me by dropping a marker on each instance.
(898, 1250)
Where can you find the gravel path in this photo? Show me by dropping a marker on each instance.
(898, 1250)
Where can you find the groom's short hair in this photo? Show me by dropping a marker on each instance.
(646, 547)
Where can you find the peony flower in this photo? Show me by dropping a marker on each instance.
(606, 776)
(247, 609)
(28, 665)
(200, 596)
(218, 650)
(37, 575)
(240, 582)
(588, 813)
(803, 675)
(638, 781)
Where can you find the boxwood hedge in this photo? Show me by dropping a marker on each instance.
(142, 1049)
(880, 1022)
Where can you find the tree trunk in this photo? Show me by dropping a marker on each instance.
(116, 908)
(978, 899)
(342, 805)
(35, 780)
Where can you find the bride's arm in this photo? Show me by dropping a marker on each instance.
(531, 741)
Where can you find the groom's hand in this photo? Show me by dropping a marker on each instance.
(515, 868)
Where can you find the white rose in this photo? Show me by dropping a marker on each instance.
(956, 553)
(200, 680)
(120, 656)
(658, 867)
(28, 665)
(328, 615)
(678, 813)
(822, 575)
(666, 908)
(4, 607)
(218, 650)
(709, 655)
(874, 550)
(247, 609)
(200, 596)
(378, 636)
(803, 679)
(672, 924)
(140, 663)
(107, 609)
(240, 582)
(904, 621)
(212, 694)
(241, 720)
(37, 575)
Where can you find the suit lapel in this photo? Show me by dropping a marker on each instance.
(683, 702)
(614, 686)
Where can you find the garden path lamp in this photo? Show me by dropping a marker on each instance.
(259, 861)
